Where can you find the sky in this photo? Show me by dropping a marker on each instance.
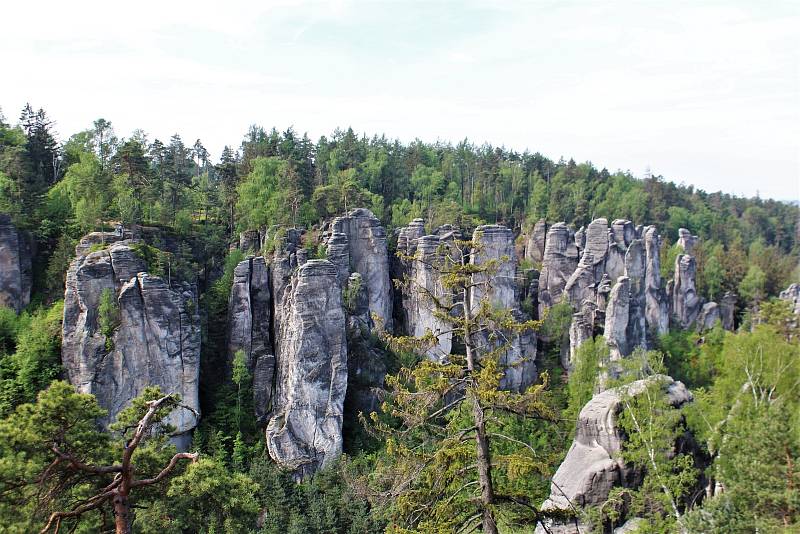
(702, 93)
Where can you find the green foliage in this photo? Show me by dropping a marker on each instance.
(36, 359)
(583, 377)
(325, 503)
(206, 499)
(108, 316)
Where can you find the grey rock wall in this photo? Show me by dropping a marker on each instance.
(16, 272)
(156, 341)
(304, 433)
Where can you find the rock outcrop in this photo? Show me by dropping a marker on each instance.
(686, 241)
(304, 433)
(368, 256)
(16, 273)
(559, 262)
(593, 465)
(426, 285)
(500, 288)
(656, 302)
(707, 317)
(617, 318)
(727, 310)
(792, 295)
(150, 336)
(249, 323)
(534, 244)
(686, 303)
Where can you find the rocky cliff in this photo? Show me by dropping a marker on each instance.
(648, 305)
(304, 433)
(148, 333)
(593, 465)
(16, 274)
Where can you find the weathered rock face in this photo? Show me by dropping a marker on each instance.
(656, 304)
(686, 240)
(592, 265)
(727, 310)
(534, 245)
(305, 431)
(635, 266)
(792, 295)
(249, 322)
(617, 318)
(593, 465)
(707, 317)
(16, 272)
(559, 262)
(500, 288)
(368, 256)
(425, 285)
(156, 341)
(685, 301)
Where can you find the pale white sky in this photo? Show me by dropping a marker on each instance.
(702, 93)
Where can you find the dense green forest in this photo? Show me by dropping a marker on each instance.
(60, 189)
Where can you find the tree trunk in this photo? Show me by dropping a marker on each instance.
(481, 441)
(122, 512)
(484, 467)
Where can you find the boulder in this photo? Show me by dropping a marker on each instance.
(593, 465)
(304, 433)
(16, 272)
(155, 338)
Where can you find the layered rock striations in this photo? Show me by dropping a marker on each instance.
(593, 465)
(304, 433)
(149, 333)
(16, 274)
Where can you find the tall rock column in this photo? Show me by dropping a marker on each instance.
(496, 243)
(534, 245)
(16, 273)
(617, 315)
(656, 305)
(592, 265)
(685, 301)
(559, 262)
(249, 322)
(370, 258)
(426, 285)
(305, 431)
(635, 266)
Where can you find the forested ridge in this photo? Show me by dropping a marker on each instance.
(734, 471)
